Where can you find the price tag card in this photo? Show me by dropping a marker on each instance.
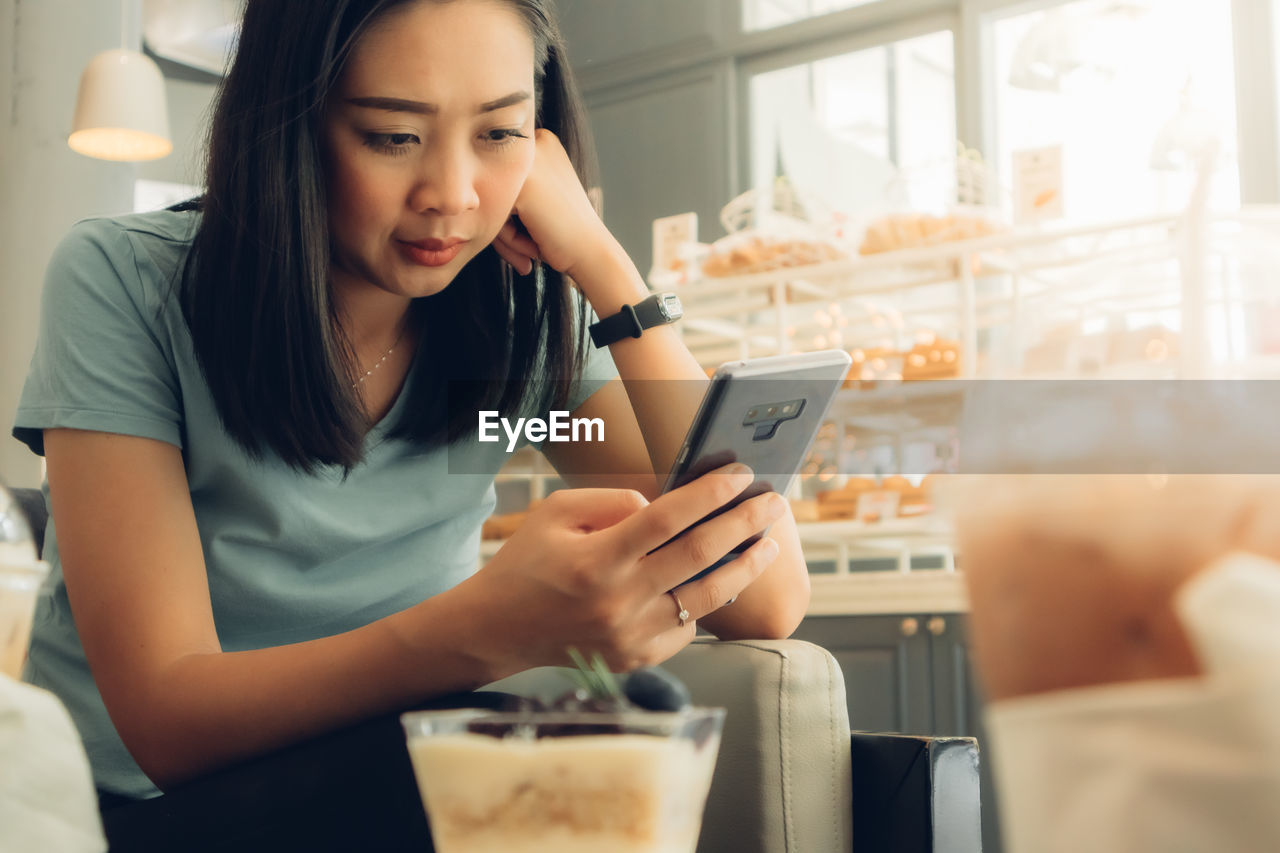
(1037, 184)
(877, 506)
(670, 233)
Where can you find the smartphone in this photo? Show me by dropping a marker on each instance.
(764, 412)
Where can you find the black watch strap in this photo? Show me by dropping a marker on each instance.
(658, 310)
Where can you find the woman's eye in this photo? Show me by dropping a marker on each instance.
(503, 136)
(390, 143)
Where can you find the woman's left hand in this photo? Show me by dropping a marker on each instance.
(562, 227)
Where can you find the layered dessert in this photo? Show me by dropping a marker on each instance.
(623, 780)
(575, 794)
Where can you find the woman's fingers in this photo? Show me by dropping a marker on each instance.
(700, 548)
(523, 264)
(514, 240)
(659, 618)
(674, 511)
(708, 594)
(672, 638)
(588, 510)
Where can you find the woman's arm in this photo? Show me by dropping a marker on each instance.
(663, 387)
(664, 384)
(136, 579)
(135, 576)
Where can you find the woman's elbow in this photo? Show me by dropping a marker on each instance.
(784, 618)
(782, 622)
(168, 750)
(777, 619)
(166, 764)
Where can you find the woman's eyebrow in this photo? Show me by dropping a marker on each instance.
(400, 105)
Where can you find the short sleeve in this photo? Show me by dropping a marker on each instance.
(100, 361)
(598, 370)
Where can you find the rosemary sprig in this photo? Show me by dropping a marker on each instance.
(594, 677)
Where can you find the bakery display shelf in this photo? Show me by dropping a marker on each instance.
(923, 528)
(1265, 366)
(868, 593)
(996, 301)
(1199, 280)
(945, 262)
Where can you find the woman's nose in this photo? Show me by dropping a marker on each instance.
(447, 186)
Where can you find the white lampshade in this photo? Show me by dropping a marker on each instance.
(120, 111)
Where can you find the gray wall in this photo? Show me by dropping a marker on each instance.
(659, 89)
(189, 94)
(45, 187)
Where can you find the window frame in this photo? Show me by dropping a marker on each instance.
(810, 51)
(1255, 28)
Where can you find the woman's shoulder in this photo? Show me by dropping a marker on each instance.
(158, 228)
(143, 252)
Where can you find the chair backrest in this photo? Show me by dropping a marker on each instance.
(31, 502)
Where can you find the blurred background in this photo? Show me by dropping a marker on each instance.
(948, 189)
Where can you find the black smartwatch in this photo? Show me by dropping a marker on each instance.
(658, 310)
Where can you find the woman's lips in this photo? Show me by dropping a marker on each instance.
(419, 254)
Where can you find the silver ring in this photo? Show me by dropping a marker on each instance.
(683, 615)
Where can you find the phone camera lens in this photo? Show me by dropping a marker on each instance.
(753, 413)
(773, 410)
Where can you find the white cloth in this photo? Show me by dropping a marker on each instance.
(1176, 766)
(47, 799)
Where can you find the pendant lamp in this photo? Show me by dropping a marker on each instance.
(120, 109)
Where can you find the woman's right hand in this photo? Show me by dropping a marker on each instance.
(579, 572)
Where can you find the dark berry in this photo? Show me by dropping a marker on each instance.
(656, 689)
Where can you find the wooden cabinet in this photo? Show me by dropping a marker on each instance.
(904, 673)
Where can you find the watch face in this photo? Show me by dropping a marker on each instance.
(670, 307)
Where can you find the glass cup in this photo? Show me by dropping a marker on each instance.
(564, 782)
(1086, 505)
(19, 584)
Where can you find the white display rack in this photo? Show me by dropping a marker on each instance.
(1201, 277)
(1207, 279)
(1183, 267)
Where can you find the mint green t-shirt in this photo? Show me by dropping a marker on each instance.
(290, 557)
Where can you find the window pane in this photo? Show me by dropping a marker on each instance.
(765, 14)
(843, 127)
(1129, 121)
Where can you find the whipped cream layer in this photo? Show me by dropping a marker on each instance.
(623, 793)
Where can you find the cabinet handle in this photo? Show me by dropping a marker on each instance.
(910, 626)
(937, 625)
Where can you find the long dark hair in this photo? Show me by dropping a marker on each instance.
(256, 292)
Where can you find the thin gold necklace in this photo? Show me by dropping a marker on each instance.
(356, 385)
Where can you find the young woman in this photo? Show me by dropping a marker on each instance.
(251, 407)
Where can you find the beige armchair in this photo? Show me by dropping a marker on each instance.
(789, 767)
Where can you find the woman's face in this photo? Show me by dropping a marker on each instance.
(428, 141)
